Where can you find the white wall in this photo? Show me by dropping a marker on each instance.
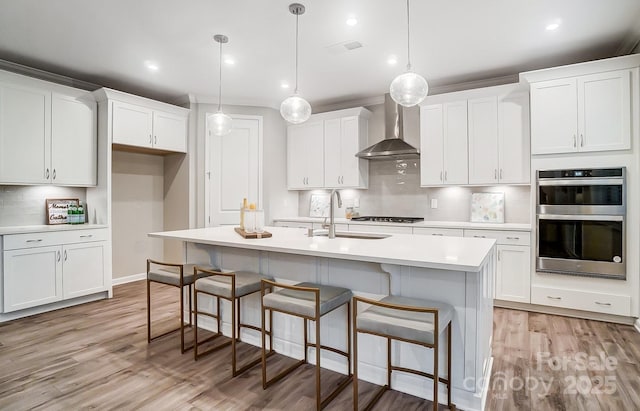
(137, 209)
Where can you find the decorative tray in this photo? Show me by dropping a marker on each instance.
(264, 234)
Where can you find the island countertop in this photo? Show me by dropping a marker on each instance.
(448, 253)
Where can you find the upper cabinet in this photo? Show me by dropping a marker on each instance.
(48, 133)
(477, 136)
(141, 124)
(584, 107)
(321, 151)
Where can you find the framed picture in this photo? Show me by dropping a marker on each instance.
(487, 207)
(57, 209)
(319, 205)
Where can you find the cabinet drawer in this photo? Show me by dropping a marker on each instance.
(17, 241)
(383, 229)
(450, 232)
(502, 237)
(582, 300)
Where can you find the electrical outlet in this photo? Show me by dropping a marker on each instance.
(434, 203)
(356, 202)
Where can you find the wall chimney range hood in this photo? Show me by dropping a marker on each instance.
(393, 147)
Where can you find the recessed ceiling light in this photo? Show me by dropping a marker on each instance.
(151, 65)
(552, 26)
(392, 60)
(229, 60)
(284, 85)
(352, 21)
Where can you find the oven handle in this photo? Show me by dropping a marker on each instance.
(583, 182)
(582, 217)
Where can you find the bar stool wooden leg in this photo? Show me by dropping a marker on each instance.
(355, 357)
(148, 309)
(449, 403)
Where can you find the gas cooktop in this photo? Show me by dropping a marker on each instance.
(389, 219)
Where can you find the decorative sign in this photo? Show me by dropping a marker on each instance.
(487, 207)
(57, 209)
(319, 205)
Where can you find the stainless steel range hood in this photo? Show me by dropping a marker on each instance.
(393, 147)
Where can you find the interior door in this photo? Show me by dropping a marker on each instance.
(234, 170)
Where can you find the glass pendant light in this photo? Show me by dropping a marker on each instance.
(296, 109)
(221, 122)
(409, 88)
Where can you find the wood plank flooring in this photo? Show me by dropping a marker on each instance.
(96, 356)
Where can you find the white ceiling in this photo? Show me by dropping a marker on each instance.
(455, 41)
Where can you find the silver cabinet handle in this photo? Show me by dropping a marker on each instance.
(86, 236)
(499, 255)
(513, 238)
(54, 173)
(500, 174)
(581, 140)
(437, 234)
(58, 253)
(155, 140)
(554, 298)
(479, 236)
(150, 140)
(441, 176)
(34, 241)
(65, 255)
(46, 174)
(605, 304)
(445, 175)
(574, 140)
(495, 174)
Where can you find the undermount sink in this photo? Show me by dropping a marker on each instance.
(346, 234)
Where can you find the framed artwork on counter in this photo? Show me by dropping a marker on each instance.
(58, 209)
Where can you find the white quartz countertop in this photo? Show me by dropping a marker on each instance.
(25, 229)
(449, 253)
(432, 224)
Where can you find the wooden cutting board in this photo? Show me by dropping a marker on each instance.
(244, 234)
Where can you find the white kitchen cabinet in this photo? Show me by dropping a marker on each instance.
(513, 273)
(443, 129)
(321, 151)
(305, 155)
(582, 300)
(42, 268)
(382, 229)
(582, 113)
(449, 232)
(140, 126)
(499, 139)
(48, 133)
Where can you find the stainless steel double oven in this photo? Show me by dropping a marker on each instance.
(581, 222)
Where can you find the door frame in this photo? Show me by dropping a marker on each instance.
(207, 156)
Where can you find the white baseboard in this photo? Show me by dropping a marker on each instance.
(128, 279)
(637, 324)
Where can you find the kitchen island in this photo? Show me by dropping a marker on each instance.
(455, 270)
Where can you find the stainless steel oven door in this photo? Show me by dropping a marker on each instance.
(590, 245)
(581, 196)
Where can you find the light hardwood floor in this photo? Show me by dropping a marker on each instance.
(96, 356)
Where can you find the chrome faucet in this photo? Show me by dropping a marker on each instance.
(332, 225)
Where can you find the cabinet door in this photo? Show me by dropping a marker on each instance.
(513, 274)
(74, 140)
(554, 116)
(169, 132)
(431, 143)
(354, 169)
(513, 139)
(32, 277)
(305, 155)
(25, 135)
(483, 140)
(132, 125)
(83, 269)
(455, 143)
(604, 111)
(333, 152)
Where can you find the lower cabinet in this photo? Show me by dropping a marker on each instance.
(67, 265)
(582, 300)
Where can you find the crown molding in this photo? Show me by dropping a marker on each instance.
(47, 76)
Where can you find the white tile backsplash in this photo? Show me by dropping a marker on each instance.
(392, 194)
(25, 205)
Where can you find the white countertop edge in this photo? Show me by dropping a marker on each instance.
(431, 224)
(47, 228)
(205, 236)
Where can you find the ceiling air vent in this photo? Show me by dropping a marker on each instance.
(352, 45)
(343, 47)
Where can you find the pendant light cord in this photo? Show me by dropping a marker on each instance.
(220, 81)
(408, 40)
(295, 91)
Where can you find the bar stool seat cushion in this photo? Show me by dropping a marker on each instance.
(246, 283)
(408, 325)
(171, 275)
(303, 302)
